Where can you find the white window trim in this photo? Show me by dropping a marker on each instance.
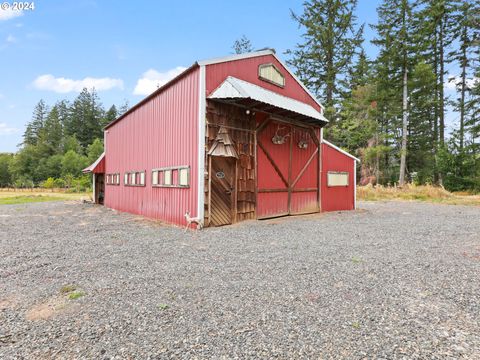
(171, 169)
(338, 173)
(131, 178)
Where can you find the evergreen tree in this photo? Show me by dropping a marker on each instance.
(242, 45)
(466, 28)
(35, 126)
(331, 39)
(393, 64)
(360, 74)
(123, 108)
(110, 115)
(85, 118)
(52, 133)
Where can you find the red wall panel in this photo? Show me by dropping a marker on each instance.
(338, 197)
(247, 69)
(162, 132)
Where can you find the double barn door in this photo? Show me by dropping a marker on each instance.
(287, 170)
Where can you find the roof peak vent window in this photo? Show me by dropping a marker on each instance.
(270, 73)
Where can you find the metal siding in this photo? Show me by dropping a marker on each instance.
(162, 132)
(100, 168)
(247, 69)
(341, 197)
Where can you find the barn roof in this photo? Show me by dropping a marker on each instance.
(210, 62)
(236, 90)
(97, 167)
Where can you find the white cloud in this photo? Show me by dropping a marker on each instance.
(64, 85)
(9, 14)
(11, 39)
(153, 79)
(7, 130)
(455, 81)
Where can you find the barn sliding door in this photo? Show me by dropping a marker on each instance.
(287, 170)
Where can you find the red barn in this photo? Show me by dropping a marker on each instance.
(229, 139)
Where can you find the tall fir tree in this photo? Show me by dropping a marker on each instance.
(35, 126)
(330, 40)
(393, 63)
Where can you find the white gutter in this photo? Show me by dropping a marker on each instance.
(201, 144)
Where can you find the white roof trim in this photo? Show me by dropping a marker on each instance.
(94, 165)
(235, 57)
(255, 54)
(233, 88)
(338, 149)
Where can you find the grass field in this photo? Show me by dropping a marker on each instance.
(411, 192)
(28, 196)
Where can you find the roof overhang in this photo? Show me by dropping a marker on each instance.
(97, 167)
(240, 92)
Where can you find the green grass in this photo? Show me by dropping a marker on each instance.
(29, 199)
(163, 306)
(75, 295)
(25, 197)
(356, 260)
(67, 289)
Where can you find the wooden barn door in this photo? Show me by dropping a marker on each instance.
(222, 190)
(287, 170)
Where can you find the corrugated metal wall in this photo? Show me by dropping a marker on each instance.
(247, 69)
(162, 132)
(341, 197)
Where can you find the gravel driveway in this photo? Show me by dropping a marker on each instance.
(392, 280)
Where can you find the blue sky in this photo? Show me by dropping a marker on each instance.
(123, 48)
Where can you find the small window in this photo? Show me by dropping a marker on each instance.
(155, 177)
(183, 175)
(337, 178)
(167, 177)
(271, 74)
(135, 178)
(173, 176)
(112, 179)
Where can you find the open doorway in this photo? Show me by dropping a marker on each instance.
(99, 188)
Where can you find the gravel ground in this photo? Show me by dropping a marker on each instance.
(392, 280)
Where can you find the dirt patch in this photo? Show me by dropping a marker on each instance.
(47, 309)
(8, 303)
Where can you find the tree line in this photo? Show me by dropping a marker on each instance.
(392, 110)
(59, 142)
